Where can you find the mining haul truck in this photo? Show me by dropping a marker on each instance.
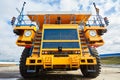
(62, 40)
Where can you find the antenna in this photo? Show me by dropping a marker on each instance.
(20, 17)
(97, 10)
(97, 15)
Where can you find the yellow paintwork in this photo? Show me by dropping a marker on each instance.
(25, 28)
(65, 49)
(61, 26)
(65, 18)
(92, 38)
(79, 56)
(93, 28)
(28, 38)
(25, 40)
(60, 41)
(49, 60)
(95, 40)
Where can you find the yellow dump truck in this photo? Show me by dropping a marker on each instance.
(59, 41)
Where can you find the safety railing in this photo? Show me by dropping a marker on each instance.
(24, 20)
(96, 20)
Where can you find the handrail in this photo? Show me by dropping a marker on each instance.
(94, 21)
(25, 21)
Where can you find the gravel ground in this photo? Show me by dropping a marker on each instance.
(108, 73)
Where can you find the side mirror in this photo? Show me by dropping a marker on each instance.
(106, 21)
(13, 21)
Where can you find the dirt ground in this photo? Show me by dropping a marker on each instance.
(107, 73)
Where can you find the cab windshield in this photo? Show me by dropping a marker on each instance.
(60, 34)
(56, 37)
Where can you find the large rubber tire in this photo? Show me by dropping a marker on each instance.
(23, 67)
(97, 67)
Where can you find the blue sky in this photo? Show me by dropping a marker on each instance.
(109, 8)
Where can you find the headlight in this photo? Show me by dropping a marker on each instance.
(92, 33)
(27, 33)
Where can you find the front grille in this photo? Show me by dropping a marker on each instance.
(61, 55)
(60, 52)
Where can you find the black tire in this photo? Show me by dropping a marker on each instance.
(23, 67)
(96, 68)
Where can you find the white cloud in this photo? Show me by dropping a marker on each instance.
(8, 9)
(112, 40)
(69, 5)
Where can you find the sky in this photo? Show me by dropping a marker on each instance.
(110, 8)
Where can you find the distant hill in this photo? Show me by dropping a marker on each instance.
(109, 55)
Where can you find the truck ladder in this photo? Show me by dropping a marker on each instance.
(37, 44)
(84, 43)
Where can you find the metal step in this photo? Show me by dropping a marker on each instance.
(82, 35)
(82, 38)
(37, 38)
(36, 52)
(83, 42)
(74, 63)
(80, 32)
(39, 33)
(84, 47)
(37, 42)
(75, 66)
(85, 51)
(36, 46)
(48, 66)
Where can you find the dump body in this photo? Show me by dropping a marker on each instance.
(66, 17)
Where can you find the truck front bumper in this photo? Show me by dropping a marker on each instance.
(71, 61)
